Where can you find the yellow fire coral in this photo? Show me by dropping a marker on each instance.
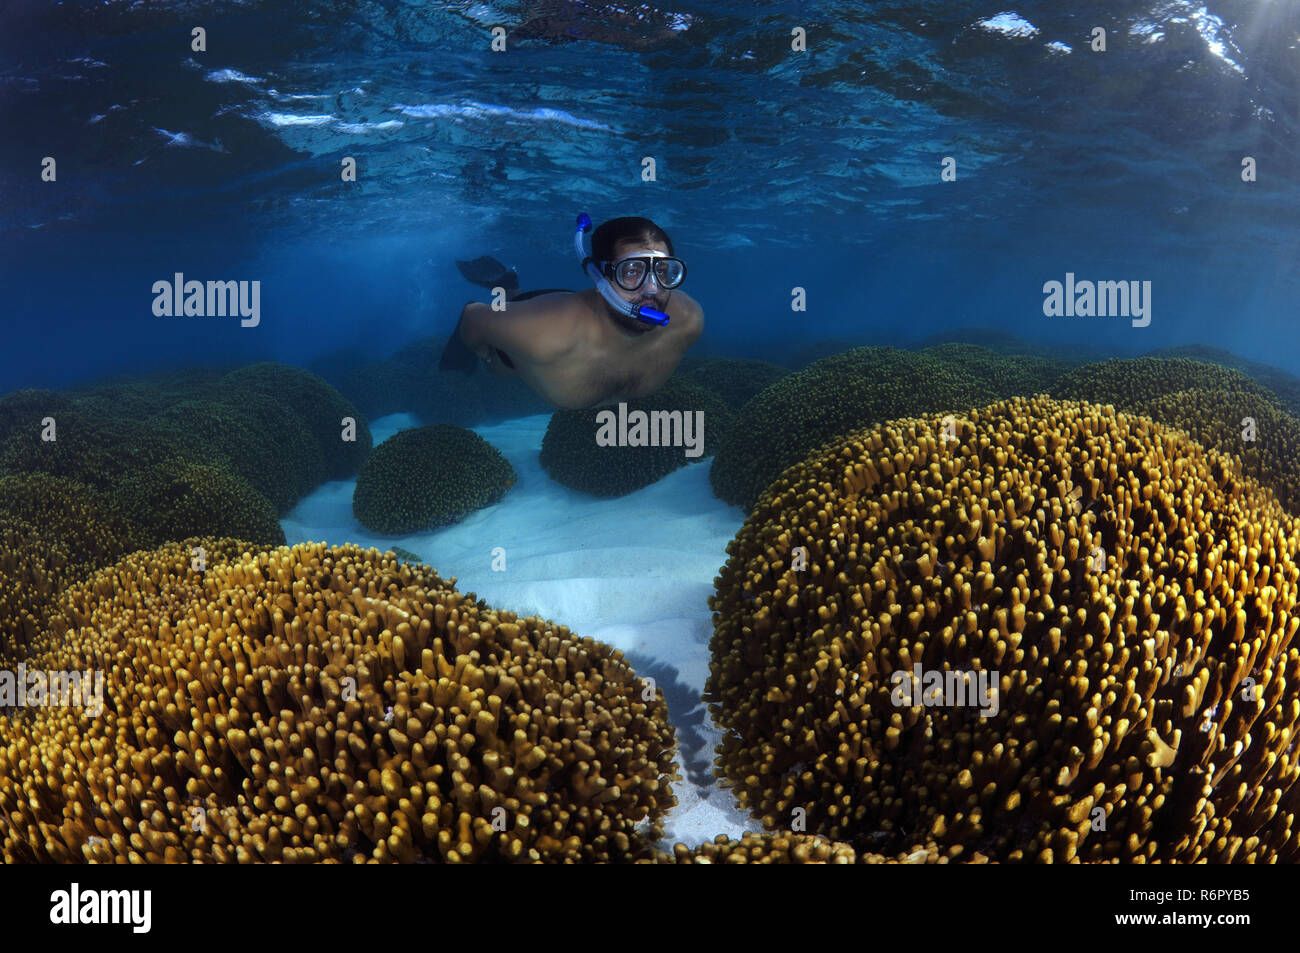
(1128, 597)
(326, 704)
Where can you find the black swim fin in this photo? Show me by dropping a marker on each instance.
(487, 272)
(456, 357)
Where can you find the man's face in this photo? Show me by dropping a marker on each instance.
(650, 294)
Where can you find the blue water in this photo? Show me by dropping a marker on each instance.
(775, 169)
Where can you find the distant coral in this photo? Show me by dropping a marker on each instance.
(379, 387)
(1006, 343)
(734, 380)
(1127, 383)
(427, 477)
(133, 462)
(319, 407)
(1263, 437)
(178, 499)
(801, 353)
(572, 456)
(1286, 387)
(279, 427)
(257, 439)
(437, 397)
(93, 450)
(22, 411)
(143, 396)
(409, 382)
(829, 398)
(1005, 375)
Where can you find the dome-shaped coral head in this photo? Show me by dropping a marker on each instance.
(317, 704)
(1040, 631)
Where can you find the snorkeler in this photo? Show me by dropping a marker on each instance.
(621, 339)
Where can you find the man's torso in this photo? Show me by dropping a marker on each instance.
(606, 365)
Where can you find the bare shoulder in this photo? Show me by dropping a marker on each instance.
(547, 325)
(689, 312)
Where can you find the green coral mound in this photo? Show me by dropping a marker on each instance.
(573, 458)
(735, 380)
(1127, 383)
(258, 440)
(142, 397)
(428, 477)
(139, 461)
(1285, 386)
(179, 499)
(23, 410)
(801, 353)
(72, 512)
(94, 450)
(994, 339)
(829, 398)
(278, 427)
(319, 406)
(170, 455)
(1004, 342)
(1006, 375)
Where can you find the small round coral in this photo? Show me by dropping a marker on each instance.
(578, 449)
(428, 477)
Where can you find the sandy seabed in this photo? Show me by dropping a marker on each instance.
(634, 572)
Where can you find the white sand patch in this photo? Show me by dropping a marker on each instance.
(635, 572)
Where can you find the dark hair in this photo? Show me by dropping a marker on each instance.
(630, 228)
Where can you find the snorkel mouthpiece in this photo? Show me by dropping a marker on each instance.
(648, 315)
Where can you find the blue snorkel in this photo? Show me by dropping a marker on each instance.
(648, 315)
